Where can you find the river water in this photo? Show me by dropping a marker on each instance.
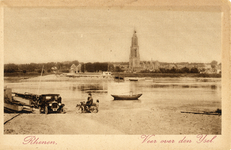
(185, 93)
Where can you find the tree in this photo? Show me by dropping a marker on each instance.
(83, 68)
(162, 70)
(185, 70)
(173, 70)
(89, 67)
(194, 70)
(117, 69)
(10, 68)
(76, 62)
(111, 67)
(214, 64)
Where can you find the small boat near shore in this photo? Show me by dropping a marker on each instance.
(133, 79)
(119, 78)
(12, 107)
(126, 97)
(136, 79)
(14, 103)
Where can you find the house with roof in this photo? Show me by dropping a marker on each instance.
(75, 69)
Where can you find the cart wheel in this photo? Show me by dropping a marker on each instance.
(46, 109)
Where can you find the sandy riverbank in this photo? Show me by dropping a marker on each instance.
(156, 120)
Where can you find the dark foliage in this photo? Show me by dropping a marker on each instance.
(61, 67)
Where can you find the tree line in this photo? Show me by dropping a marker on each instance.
(61, 67)
(64, 67)
(96, 67)
(173, 70)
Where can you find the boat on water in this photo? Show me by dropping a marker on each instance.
(127, 97)
(119, 78)
(136, 79)
(133, 79)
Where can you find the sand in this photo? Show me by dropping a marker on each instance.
(159, 121)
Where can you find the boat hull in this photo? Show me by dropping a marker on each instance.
(12, 107)
(133, 79)
(126, 97)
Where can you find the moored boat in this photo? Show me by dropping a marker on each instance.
(126, 97)
(12, 107)
(14, 104)
(119, 78)
(133, 79)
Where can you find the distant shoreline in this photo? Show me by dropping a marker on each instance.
(16, 78)
(164, 75)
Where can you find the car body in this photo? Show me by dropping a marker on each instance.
(50, 103)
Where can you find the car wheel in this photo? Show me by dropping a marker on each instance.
(62, 111)
(40, 109)
(46, 109)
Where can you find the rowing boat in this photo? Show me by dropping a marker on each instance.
(133, 79)
(126, 97)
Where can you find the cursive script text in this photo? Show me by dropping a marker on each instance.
(35, 140)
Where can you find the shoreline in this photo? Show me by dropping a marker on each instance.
(145, 76)
(167, 75)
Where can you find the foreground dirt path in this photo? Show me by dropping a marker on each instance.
(135, 121)
(56, 124)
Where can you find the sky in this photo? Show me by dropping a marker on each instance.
(40, 35)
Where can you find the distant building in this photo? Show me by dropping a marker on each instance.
(150, 65)
(106, 73)
(78, 68)
(156, 66)
(134, 59)
(75, 69)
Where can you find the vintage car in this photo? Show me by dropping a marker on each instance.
(50, 103)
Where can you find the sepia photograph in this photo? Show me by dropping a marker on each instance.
(113, 71)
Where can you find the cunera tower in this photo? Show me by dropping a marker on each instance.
(134, 59)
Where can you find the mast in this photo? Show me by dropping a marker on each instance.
(40, 79)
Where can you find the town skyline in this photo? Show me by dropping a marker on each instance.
(118, 62)
(80, 62)
(40, 35)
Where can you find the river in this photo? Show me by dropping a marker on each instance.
(179, 93)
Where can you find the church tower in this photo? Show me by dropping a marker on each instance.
(134, 59)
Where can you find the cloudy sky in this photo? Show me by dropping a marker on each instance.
(42, 35)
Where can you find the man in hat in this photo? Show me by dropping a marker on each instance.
(89, 101)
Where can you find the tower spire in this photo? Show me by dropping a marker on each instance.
(134, 59)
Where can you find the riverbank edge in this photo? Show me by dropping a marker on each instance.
(151, 75)
(167, 75)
